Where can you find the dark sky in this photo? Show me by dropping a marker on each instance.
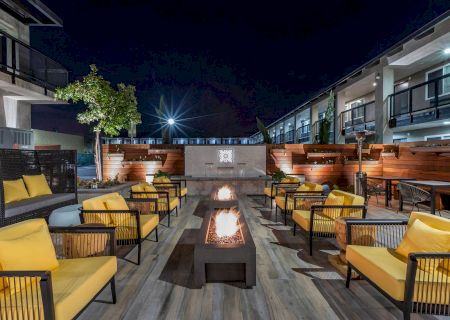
(223, 60)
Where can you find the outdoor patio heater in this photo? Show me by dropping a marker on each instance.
(360, 176)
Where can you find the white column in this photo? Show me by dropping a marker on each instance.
(385, 87)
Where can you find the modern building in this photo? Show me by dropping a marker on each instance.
(27, 77)
(401, 95)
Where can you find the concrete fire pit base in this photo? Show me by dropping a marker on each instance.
(224, 262)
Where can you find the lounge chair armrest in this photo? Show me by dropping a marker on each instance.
(428, 272)
(386, 233)
(143, 205)
(33, 284)
(302, 202)
(83, 241)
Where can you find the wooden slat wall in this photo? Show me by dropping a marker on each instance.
(118, 159)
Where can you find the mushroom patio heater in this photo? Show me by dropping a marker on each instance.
(360, 176)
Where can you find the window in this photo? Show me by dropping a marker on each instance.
(443, 85)
(354, 114)
(437, 137)
(400, 140)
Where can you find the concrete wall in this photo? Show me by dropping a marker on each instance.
(419, 134)
(66, 141)
(248, 161)
(14, 28)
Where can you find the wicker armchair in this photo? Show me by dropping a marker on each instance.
(44, 294)
(132, 226)
(413, 195)
(318, 220)
(410, 286)
(60, 170)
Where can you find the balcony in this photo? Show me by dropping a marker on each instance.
(289, 136)
(422, 103)
(183, 141)
(12, 138)
(315, 131)
(23, 62)
(358, 118)
(303, 133)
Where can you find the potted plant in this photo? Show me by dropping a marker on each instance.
(327, 122)
(278, 175)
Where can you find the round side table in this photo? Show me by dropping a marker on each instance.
(65, 216)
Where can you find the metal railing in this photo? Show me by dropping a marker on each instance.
(289, 136)
(303, 133)
(358, 118)
(423, 102)
(183, 141)
(12, 138)
(26, 63)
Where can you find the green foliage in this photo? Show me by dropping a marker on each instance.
(162, 115)
(278, 175)
(108, 110)
(327, 122)
(265, 133)
(160, 173)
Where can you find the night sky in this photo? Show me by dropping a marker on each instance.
(225, 61)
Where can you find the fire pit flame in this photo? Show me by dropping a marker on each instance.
(226, 224)
(224, 194)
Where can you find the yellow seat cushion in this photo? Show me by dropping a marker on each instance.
(17, 254)
(268, 191)
(422, 238)
(183, 191)
(333, 200)
(162, 204)
(148, 222)
(37, 185)
(322, 224)
(14, 190)
(383, 267)
(281, 202)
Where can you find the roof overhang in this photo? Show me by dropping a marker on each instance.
(31, 12)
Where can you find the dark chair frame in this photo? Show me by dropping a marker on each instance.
(310, 203)
(44, 278)
(386, 239)
(135, 215)
(161, 194)
(278, 185)
(292, 194)
(58, 166)
(175, 184)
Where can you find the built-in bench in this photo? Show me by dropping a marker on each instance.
(59, 168)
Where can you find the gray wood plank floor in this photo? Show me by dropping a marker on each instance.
(290, 283)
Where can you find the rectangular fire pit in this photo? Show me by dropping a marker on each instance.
(219, 256)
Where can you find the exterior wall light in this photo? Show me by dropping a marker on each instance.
(447, 50)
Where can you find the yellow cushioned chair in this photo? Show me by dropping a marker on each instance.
(166, 203)
(60, 291)
(133, 219)
(286, 201)
(279, 188)
(316, 215)
(417, 282)
(177, 188)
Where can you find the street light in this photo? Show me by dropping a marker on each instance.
(171, 121)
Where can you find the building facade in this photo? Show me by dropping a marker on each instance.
(402, 95)
(27, 77)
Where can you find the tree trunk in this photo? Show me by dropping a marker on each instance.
(97, 156)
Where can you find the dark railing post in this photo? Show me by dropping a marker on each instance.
(13, 60)
(436, 98)
(410, 99)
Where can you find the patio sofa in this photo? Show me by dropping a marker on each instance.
(133, 219)
(165, 194)
(60, 171)
(316, 215)
(285, 200)
(39, 277)
(406, 260)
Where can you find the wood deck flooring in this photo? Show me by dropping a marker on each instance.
(290, 283)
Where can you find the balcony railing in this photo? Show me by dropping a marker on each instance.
(316, 128)
(358, 118)
(289, 136)
(185, 141)
(26, 63)
(424, 102)
(303, 133)
(16, 138)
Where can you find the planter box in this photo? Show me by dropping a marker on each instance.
(142, 162)
(364, 162)
(123, 189)
(442, 151)
(323, 154)
(388, 154)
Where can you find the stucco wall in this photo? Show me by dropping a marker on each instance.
(66, 141)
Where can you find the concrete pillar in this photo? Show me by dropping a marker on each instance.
(16, 113)
(340, 106)
(385, 87)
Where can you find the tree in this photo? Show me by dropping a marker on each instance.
(265, 133)
(108, 110)
(327, 122)
(162, 115)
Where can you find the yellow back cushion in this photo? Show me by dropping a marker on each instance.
(162, 179)
(333, 200)
(37, 185)
(118, 204)
(98, 203)
(431, 220)
(14, 190)
(303, 187)
(314, 186)
(350, 199)
(420, 237)
(34, 251)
